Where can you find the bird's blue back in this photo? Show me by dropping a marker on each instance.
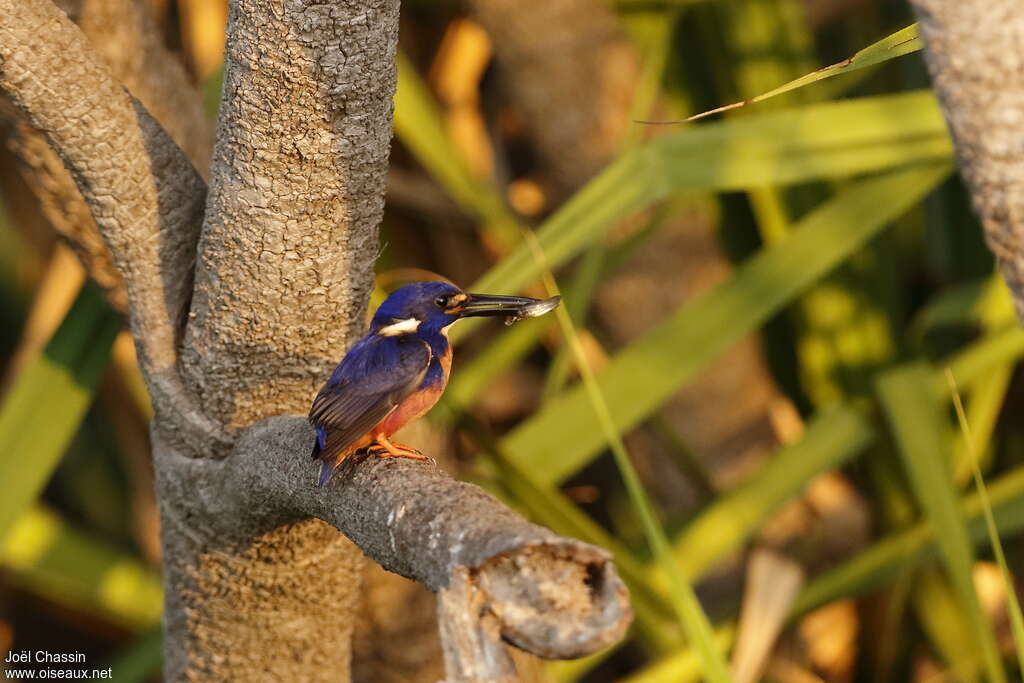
(382, 369)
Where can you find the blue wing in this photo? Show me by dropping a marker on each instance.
(375, 376)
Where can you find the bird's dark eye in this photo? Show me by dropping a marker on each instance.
(441, 302)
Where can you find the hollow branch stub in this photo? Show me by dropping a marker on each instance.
(552, 596)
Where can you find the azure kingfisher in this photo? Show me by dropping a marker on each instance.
(397, 372)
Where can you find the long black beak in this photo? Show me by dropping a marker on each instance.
(512, 307)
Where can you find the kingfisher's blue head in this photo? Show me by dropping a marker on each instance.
(426, 308)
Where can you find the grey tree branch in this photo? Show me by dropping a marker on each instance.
(124, 34)
(145, 196)
(974, 54)
(500, 578)
(258, 583)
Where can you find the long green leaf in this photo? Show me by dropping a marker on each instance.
(902, 42)
(830, 438)
(987, 354)
(913, 414)
(1012, 603)
(803, 141)
(683, 665)
(942, 617)
(643, 376)
(420, 127)
(45, 555)
(43, 409)
(833, 140)
(884, 562)
(684, 600)
(828, 441)
(900, 552)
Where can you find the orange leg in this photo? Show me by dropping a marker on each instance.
(383, 448)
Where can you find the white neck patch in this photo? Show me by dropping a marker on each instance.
(400, 327)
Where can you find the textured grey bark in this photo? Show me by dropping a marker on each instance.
(554, 597)
(287, 251)
(975, 53)
(124, 34)
(283, 274)
(259, 586)
(145, 196)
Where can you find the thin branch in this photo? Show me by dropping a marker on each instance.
(125, 35)
(501, 578)
(146, 198)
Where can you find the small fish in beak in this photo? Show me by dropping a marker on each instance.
(513, 308)
(534, 310)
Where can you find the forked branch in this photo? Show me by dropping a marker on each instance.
(242, 555)
(499, 577)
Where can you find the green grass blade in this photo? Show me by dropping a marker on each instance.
(1012, 604)
(681, 666)
(902, 42)
(993, 310)
(681, 594)
(833, 140)
(829, 440)
(985, 301)
(420, 127)
(44, 407)
(46, 556)
(941, 616)
(985, 355)
(914, 416)
(649, 371)
(987, 396)
(578, 298)
(684, 600)
(900, 552)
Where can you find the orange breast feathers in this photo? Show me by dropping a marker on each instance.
(419, 402)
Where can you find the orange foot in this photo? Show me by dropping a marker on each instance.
(383, 448)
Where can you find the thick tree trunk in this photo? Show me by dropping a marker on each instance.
(975, 53)
(257, 586)
(284, 272)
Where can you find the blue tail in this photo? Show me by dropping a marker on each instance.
(326, 470)
(327, 464)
